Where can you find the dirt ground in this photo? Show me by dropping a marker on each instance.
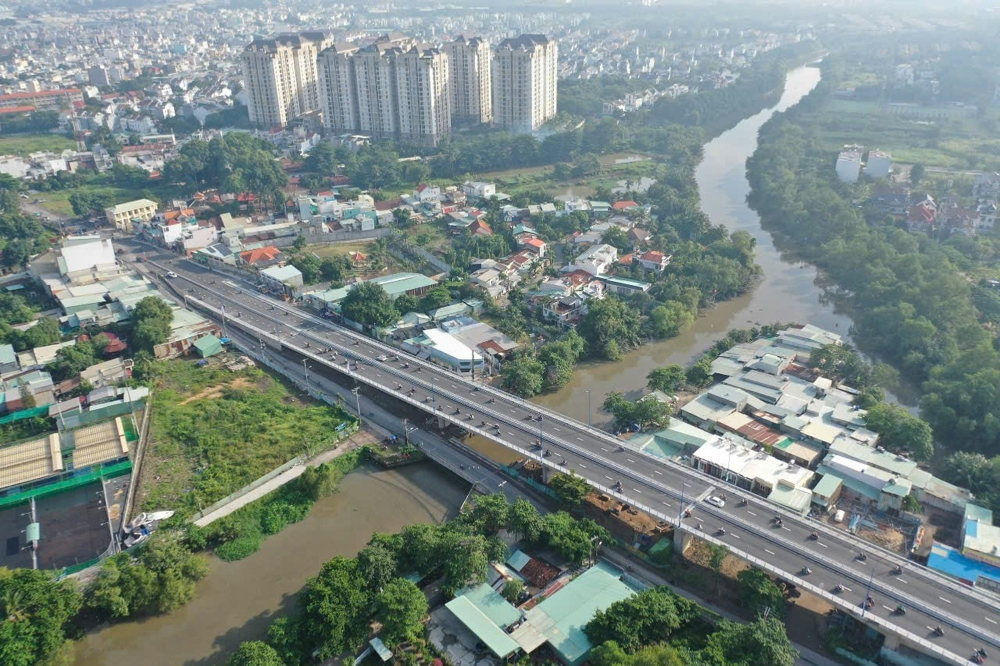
(627, 523)
(216, 391)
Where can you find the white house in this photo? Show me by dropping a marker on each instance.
(427, 193)
(596, 260)
(849, 164)
(479, 189)
(653, 260)
(878, 164)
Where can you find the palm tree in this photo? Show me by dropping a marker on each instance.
(10, 606)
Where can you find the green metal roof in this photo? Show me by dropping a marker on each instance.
(400, 283)
(492, 605)
(7, 354)
(827, 486)
(208, 345)
(562, 617)
(484, 629)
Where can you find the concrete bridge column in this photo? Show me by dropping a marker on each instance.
(681, 541)
(547, 474)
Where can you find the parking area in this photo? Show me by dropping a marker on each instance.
(13, 521)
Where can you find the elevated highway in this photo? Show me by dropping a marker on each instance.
(968, 617)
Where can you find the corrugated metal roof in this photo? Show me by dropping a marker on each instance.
(475, 621)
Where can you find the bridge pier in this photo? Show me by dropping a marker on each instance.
(681, 541)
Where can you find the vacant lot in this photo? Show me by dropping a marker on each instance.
(214, 431)
(25, 144)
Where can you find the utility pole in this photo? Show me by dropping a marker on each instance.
(305, 371)
(225, 334)
(590, 423)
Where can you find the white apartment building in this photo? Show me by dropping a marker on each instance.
(524, 82)
(394, 88)
(280, 77)
(878, 164)
(470, 64)
(849, 164)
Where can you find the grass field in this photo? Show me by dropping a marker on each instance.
(25, 144)
(214, 431)
(341, 249)
(57, 201)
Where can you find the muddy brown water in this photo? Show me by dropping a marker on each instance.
(787, 292)
(238, 600)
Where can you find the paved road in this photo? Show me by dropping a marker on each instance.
(968, 617)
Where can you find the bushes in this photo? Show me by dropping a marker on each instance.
(241, 533)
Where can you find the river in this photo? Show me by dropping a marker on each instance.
(238, 600)
(787, 292)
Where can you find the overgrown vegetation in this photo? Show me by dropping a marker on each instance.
(197, 462)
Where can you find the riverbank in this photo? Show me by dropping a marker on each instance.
(236, 601)
(788, 290)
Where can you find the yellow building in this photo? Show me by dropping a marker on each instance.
(122, 215)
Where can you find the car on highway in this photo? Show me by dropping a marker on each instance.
(382, 357)
(171, 274)
(715, 500)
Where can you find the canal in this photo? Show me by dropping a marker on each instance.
(238, 600)
(787, 292)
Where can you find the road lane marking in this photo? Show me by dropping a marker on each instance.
(989, 619)
(582, 466)
(751, 512)
(665, 503)
(579, 439)
(785, 528)
(822, 544)
(630, 460)
(902, 581)
(656, 471)
(510, 433)
(885, 607)
(637, 490)
(558, 428)
(608, 477)
(735, 536)
(603, 449)
(945, 600)
(769, 552)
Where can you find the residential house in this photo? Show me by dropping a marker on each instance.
(654, 261)
(624, 286)
(218, 254)
(564, 311)
(107, 373)
(624, 206)
(986, 209)
(595, 260)
(442, 347)
(532, 244)
(922, 217)
(286, 280)
(639, 236)
(894, 202)
(479, 228)
(427, 193)
(262, 257)
(478, 189)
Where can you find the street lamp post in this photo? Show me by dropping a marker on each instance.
(680, 509)
(305, 371)
(589, 420)
(357, 401)
(225, 333)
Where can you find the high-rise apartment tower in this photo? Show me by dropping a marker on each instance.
(280, 77)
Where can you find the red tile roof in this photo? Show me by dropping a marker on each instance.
(261, 254)
(479, 227)
(43, 93)
(17, 109)
(624, 205)
(653, 256)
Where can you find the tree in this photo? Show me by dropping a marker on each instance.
(644, 413)
(668, 320)
(332, 269)
(512, 590)
(648, 617)
(309, 265)
(376, 566)
(369, 304)
(491, 512)
(609, 653)
(465, 562)
(901, 431)
(406, 303)
(401, 217)
(70, 361)
(617, 237)
(322, 159)
(758, 592)
(523, 375)
(610, 327)
(667, 379)
(575, 540)
(335, 605)
(36, 611)
(255, 653)
(716, 558)
(401, 608)
(151, 323)
(525, 521)
(916, 174)
(759, 643)
(700, 374)
(570, 489)
(438, 297)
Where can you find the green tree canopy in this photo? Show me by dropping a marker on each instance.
(335, 606)
(901, 431)
(524, 375)
(667, 379)
(758, 592)
(438, 297)
(759, 643)
(609, 328)
(645, 618)
(401, 608)
(570, 489)
(255, 653)
(369, 305)
(151, 323)
(36, 612)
